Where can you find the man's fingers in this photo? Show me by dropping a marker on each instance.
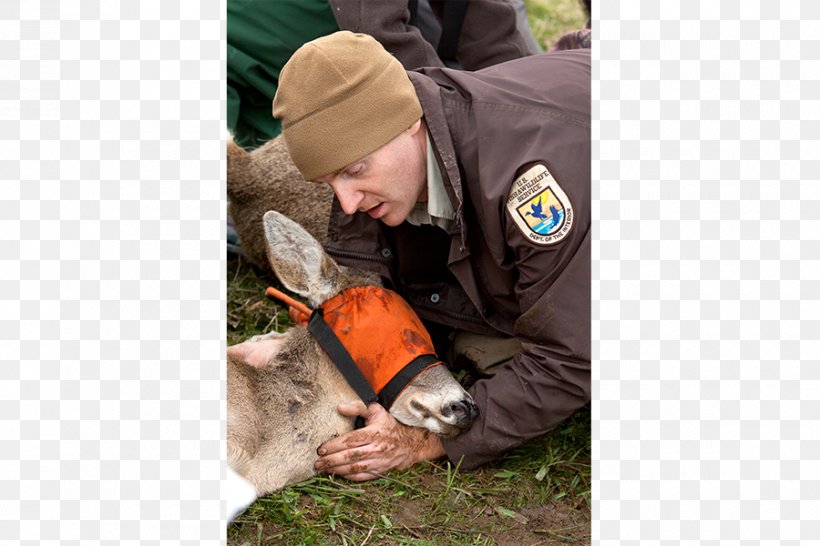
(335, 461)
(352, 408)
(363, 477)
(357, 472)
(355, 439)
(357, 408)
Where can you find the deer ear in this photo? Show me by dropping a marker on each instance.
(299, 260)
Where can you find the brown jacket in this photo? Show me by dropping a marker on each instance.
(513, 144)
(488, 34)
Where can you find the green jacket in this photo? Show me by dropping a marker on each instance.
(262, 35)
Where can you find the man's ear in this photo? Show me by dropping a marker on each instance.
(413, 129)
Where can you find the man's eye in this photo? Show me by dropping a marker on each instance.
(356, 170)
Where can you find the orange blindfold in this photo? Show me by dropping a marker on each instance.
(379, 330)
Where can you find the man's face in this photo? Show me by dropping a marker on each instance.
(387, 183)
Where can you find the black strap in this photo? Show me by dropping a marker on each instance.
(451, 23)
(339, 355)
(391, 391)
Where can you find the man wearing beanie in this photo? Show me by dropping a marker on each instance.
(469, 193)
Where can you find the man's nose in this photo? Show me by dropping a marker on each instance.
(349, 200)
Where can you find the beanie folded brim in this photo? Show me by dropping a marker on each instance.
(340, 98)
(338, 135)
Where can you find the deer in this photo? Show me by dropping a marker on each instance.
(282, 408)
(266, 178)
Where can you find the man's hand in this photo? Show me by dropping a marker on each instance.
(382, 444)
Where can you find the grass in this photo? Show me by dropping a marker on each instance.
(250, 312)
(540, 493)
(537, 494)
(436, 504)
(550, 19)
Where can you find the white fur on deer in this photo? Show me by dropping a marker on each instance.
(240, 494)
(282, 407)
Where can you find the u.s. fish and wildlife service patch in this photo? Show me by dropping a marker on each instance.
(539, 207)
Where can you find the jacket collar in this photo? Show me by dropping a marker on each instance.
(435, 118)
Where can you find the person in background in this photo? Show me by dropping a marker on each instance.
(262, 35)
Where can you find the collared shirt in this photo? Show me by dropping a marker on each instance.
(438, 210)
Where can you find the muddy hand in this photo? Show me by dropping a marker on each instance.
(381, 445)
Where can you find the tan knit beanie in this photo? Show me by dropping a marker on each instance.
(341, 97)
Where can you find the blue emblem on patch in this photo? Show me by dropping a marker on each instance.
(540, 207)
(532, 212)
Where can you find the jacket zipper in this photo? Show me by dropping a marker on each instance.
(357, 256)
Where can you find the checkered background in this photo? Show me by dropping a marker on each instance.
(112, 229)
(706, 279)
(707, 272)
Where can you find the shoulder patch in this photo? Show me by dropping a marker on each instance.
(540, 208)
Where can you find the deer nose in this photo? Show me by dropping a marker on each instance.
(462, 412)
